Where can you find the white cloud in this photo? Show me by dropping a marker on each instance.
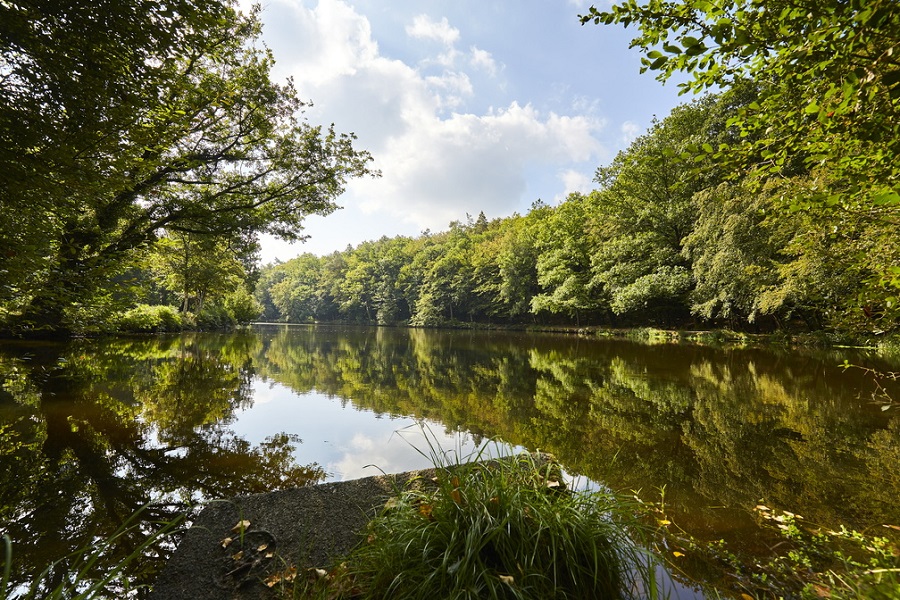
(455, 86)
(574, 181)
(630, 132)
(482, 59)
(438, 160)
(423, 27)
(442, 168)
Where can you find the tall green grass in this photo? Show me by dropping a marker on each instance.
(504, 528)
(91, 572)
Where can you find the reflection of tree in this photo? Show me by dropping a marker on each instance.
(93, 431)
(714, 427)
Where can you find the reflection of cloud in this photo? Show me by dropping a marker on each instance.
(406, 449)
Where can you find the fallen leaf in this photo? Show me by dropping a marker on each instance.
(226, 542)
(664, 522)
(425, 511)
(241, 526)
(238, 556)
(320, 573)
(270, 554)
(457, 497)
(677, 554)
(507, 579)
(821, 591)
(763, 508)
(262, 547)
(288, 574)
(553, 484)
(746, 597)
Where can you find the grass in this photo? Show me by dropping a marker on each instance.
(806, 562)
(504, 528)
(89, 573)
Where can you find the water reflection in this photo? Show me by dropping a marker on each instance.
(94, 429)
(721, 430)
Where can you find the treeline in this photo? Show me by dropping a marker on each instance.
(669, 238)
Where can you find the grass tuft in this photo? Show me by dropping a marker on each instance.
(504, 528)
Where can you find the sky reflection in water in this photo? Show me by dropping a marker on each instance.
(348, 442)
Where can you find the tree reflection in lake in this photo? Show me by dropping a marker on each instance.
(720, 429)
(95, 429)
(92, 430)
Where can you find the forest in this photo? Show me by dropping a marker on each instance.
(768, 202)
(670, 238)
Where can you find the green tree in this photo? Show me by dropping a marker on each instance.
(123, 120)
(296, 296)
(645, 210)
(564, 258)
(828, 80)
(448, 279)
(196, 268)
(516, 260)
(737, 251)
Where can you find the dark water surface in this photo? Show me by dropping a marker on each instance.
(91, 430)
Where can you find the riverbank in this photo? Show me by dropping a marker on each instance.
(236, 545)
(810, 339)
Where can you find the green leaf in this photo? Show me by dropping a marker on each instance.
(886, 198)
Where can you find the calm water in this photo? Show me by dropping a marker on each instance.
(92, 430)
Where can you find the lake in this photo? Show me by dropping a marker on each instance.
(92, 430)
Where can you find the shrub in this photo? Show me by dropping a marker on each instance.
(214, 316)
(242, 306)
(144, 318)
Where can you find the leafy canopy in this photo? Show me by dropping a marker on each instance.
(121, 121)
(827, 71)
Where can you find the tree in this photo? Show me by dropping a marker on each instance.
(564, 259)
(645, 209)
(828, 78)
(196, 268)
(828, 71)
(517, 265)
(736, 250)
(123, 120)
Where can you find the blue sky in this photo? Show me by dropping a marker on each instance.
(466, 105)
